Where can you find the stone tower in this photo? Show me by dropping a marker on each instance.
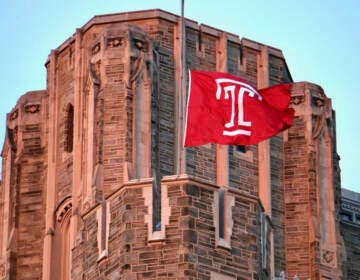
(312, 188)
(96, 183)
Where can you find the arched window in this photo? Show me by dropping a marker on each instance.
(69, 128)
(61, 268)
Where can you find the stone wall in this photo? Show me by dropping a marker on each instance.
(190, 249)
(22, 192)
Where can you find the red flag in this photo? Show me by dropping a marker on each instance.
(225, 109)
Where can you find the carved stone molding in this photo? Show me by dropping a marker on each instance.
(318, 99)
(63, 210)
(140, 44)
(32, 108)
(328, 257)
(12, 135)
(94, 76)
(96, 48)
(297, 99)
(95, 72)
(14, 114)
(322, 121)
(318, 125)
(115, 42)
(317, 102)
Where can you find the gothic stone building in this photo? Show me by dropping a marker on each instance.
(350, 230)
(97, 185)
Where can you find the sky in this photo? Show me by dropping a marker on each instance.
(319, 39)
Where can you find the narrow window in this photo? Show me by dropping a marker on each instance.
(200, 41)
(223, 219)
(200, 44)
(265, 241)
(65, 251)
(61, 264)
(241, 55)
(156, 189)
(69, 129)
(103, 221)
(221, 214)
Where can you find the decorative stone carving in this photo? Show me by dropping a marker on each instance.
(141, 45)
(318, 124)
(142, 56)
(94, 71)
(322, 114)
(63, 210)
(316, 94)
(115, 42)
(12, 135)
(328, 258)
(297, 99)
(32, 108)
(318, 102)
(93, 77)
(95, 49)
(14, 114)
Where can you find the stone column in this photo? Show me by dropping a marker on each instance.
(222, 156)
(51, 170)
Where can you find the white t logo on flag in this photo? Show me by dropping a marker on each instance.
(228, 110)
(236, 91)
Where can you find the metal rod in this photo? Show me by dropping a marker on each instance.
(182, 96)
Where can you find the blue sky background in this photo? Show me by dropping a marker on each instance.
(319, 39)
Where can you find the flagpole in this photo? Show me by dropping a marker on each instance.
(180, 167)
